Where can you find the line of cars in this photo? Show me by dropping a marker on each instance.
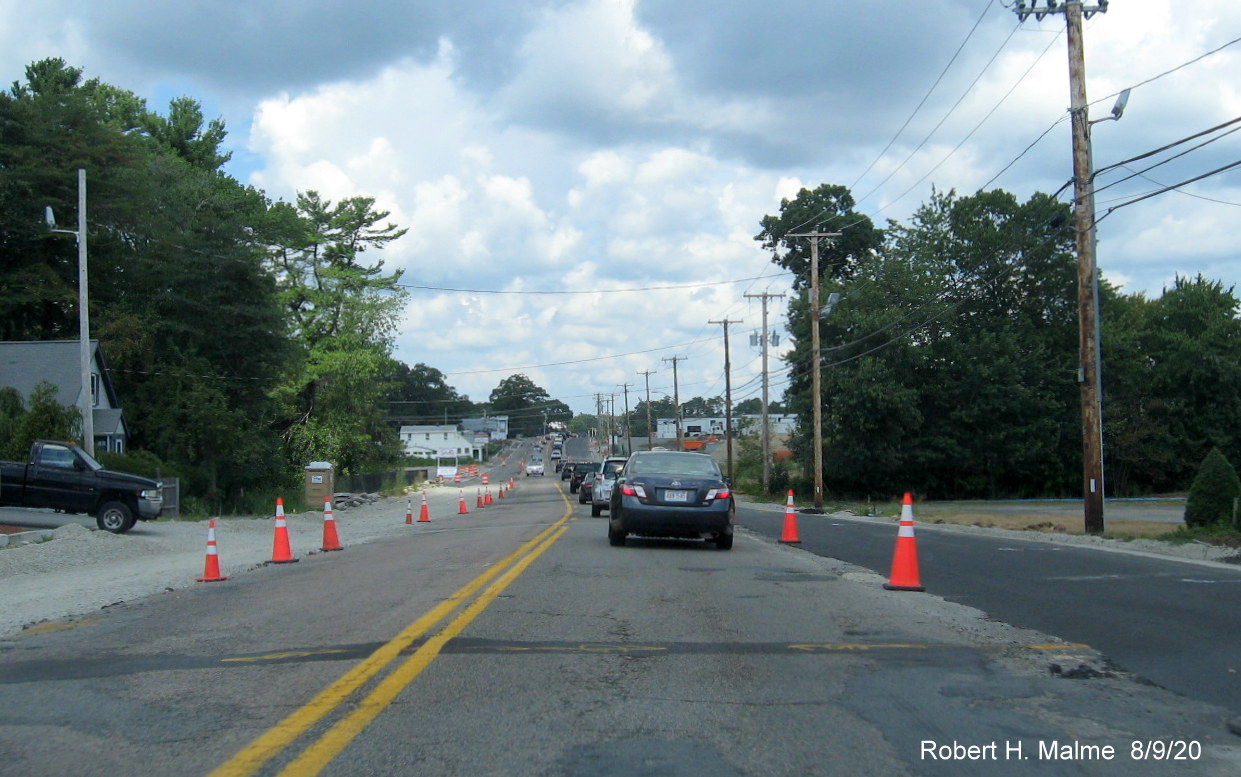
(657, 494)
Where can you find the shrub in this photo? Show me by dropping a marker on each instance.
(1213, 491)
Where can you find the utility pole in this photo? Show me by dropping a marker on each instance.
(599, 419)
(676, 395)
(612, 424)
(86, 397)
(1089, 375)
(816, 380)
(628, 436)
(728, 396)
(650, 430)
(766, 431)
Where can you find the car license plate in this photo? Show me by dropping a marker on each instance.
(676, 496)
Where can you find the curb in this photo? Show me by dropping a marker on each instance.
(26, 537)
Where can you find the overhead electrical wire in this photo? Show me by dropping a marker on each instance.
(537, 292)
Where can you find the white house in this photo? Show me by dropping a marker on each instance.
(437, 442)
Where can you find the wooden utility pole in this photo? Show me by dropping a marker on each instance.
(650, 430)
(728, 397)
(766, 428)
(676, 395)
(816, 380)
(628, 436)
(1088, 372)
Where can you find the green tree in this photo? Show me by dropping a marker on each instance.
(828, 208)
(183, 133)
(342, 315)
(948, 364)
(43, 418)
(1214, 491)
(421, 395)
(527, 405)
(700, 407)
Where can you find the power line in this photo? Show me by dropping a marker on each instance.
(532, 292)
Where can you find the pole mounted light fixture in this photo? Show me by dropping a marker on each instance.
(86, 396)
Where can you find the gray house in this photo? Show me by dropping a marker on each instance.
(26, 364)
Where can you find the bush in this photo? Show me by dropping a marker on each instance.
(1213, 491)
(135, 462)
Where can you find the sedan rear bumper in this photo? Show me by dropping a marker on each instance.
(634, 517)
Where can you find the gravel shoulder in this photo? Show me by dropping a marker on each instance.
(73, 571)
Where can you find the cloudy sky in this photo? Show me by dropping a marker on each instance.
(615, 148)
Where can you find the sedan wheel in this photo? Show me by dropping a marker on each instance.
(615, 538)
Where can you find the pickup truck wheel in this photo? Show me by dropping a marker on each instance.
(115, 517)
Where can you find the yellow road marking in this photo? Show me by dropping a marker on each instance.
(315, 758)
(270, 744)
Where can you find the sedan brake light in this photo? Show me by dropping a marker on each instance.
(718, 493)
(633, 490)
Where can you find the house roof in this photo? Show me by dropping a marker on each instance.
(25, 364)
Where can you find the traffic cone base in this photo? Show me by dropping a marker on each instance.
(790, 535)
(211, 567)
(904, 575)
(330, 540)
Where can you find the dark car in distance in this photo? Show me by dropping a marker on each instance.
(582, 470)
(672, 494)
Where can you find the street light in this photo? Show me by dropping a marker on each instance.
(86, 402)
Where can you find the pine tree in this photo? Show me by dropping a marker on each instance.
(1213, 491)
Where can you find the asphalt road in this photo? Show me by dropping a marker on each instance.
(1172, 622)
(516, 641)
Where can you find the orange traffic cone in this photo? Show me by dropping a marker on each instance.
(281, 553)
(409, 509)
(424, 516)
(511, 483)
(905, 560)
(211, 569)
(790, 535)
(462, 510)
(478, 498)
(500, 491)
(330, 540)
(487, 495)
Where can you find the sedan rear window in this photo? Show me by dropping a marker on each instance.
(673, 464)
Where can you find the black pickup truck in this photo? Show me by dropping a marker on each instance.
(62, 476)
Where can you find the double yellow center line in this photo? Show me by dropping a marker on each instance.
(319, 753)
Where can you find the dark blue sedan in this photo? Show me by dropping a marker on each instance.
(672, 494)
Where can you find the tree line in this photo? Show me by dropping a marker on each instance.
(950, 364)
(245, 336)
